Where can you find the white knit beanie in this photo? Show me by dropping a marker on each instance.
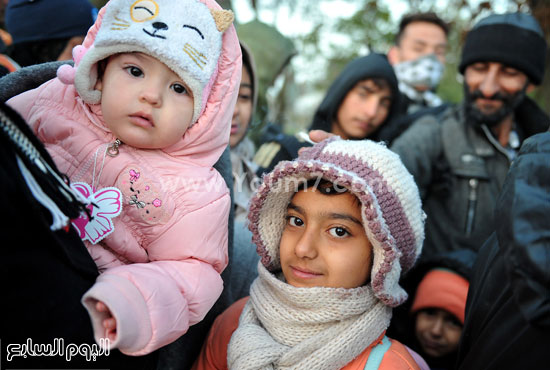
(183, 34)
(390, 206)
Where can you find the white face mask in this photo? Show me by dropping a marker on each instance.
(425, 71)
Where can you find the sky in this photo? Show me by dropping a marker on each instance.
(291, 25)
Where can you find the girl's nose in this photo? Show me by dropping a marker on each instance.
(305, 247)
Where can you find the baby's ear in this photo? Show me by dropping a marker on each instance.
(223, 19)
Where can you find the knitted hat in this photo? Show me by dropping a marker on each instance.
(444, 289)
(513, 39)
(185, 35)
(37, 20)
(390, 206)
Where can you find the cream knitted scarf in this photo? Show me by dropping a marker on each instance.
(284, 327)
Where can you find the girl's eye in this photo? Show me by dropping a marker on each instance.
(295, 221)
(179, 88)
(338, 232)
(134, 71)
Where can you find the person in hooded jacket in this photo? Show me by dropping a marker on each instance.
(507, 322)
(362, 99)
(138, 124)
(430, 322)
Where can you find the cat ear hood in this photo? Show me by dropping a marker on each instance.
(184, 34)
(390, 206)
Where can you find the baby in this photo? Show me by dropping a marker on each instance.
(137, 125)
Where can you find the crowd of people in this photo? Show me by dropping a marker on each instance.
(148, 230)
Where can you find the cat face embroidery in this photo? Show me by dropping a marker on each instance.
(185, 34)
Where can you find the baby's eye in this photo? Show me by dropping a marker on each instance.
(338, 232)
(294, 221)
(134, 71)
(179, 88)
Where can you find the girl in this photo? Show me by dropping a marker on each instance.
(335, 229)
(137, 125)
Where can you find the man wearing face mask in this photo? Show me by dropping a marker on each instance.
(418, 59)
(459, 158)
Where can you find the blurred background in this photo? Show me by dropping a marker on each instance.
(300, 46)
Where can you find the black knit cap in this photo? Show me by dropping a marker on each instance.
(513, 39)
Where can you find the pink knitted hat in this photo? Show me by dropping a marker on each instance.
(390, 206)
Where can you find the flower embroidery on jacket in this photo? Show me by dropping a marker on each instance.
(142, 195)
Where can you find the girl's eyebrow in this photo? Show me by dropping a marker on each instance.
(296, 208)
(343, 216)
(331, 215)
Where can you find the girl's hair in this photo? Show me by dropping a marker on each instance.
(327, 187)
(101, 67)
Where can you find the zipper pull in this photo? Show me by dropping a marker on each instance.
(472, 200)
(112, 149)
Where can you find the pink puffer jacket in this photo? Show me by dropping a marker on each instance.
(161, 266)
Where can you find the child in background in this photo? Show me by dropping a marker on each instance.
(431, 321)
(137, 125)
(438, 309)
(335, 229)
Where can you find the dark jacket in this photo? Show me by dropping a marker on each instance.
(277, 146)
(460, 170)
(402, 326)
(507, 322)
(44, 273)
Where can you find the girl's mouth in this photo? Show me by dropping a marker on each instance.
(304, 273)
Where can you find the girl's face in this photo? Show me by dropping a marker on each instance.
(324, 243)
(243, 110)
(437, 331)
(144, 103)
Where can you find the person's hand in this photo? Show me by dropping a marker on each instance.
(316, 136)
(319, 135)
(109, 323)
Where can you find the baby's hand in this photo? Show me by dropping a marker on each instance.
(109, 323)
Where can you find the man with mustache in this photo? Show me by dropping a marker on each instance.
(460, 157)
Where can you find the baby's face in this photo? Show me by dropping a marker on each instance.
(324, 243)
(144, 103)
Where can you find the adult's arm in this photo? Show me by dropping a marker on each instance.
(524, 236)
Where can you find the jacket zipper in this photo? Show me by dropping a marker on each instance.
(472, 201)
(112, 149)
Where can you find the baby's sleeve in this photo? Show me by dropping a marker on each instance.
(155, 303)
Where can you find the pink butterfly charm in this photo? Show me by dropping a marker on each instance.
(134, 175)
(105, 204)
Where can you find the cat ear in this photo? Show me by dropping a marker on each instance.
(223, 19)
